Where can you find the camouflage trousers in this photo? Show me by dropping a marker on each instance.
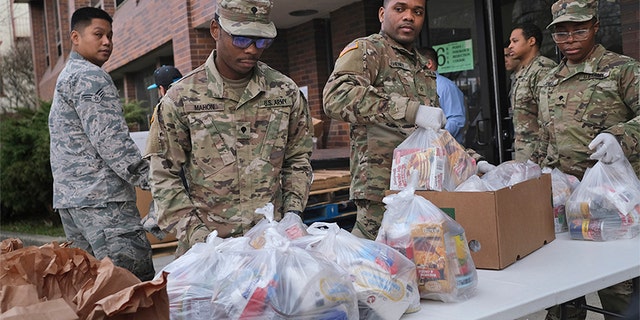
(368, 218)
(616, 299)
(111, 230)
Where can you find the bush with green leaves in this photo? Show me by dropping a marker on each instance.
(135, 114)
(26, 184)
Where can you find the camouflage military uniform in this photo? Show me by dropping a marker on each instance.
(599, 95)
(524, 100)
(377, 86)
(238, 154)
(95, 166)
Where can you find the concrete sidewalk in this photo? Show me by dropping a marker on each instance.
(161, 256)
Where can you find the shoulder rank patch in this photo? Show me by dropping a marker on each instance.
(349, 47)
(95, 98)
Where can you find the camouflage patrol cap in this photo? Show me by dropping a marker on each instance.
(246, 18)
(573, 11)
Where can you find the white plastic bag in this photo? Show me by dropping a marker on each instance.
(510, 173)
(280, 281)
(440, 161)
(436, 244)
(193, 277)
(562, 185)
(291, 226)
(384, 279)
(606, 204)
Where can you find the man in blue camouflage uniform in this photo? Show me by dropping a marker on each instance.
(589, 111)
(524, 45)
(240, 129)
(382, 87)
(94, 161)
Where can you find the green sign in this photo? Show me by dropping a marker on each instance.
(455, 56)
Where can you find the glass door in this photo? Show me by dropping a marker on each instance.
(461, 31)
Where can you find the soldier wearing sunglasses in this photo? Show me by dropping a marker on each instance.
(239, 128)
(588, 111)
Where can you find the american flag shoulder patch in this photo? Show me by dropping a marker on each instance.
(349, 47)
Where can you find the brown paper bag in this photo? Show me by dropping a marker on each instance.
(93, 289)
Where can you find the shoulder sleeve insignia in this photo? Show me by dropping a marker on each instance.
(95, 98)
(349, 47)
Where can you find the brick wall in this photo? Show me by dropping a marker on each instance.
(37, 39)
(353, 21)
(132, 39)
(277, 56)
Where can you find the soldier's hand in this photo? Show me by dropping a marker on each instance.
(150, 223)
(198, 234)
(430, 117)
(608, 149)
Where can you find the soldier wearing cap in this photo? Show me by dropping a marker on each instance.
(239, 128)
(588, 110)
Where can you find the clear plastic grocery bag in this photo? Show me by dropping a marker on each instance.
(280, 281)
(384, 279)
(562, 185)
(606, 204)
(307, 286)
(291, 226)
(440, 161)
(510, 173)
(436, 244)
(193, 277)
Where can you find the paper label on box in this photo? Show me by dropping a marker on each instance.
(430, 257)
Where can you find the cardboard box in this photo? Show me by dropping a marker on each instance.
(507, 224)
(143, 201)
(317, 127)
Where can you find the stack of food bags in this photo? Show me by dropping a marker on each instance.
(258, 277)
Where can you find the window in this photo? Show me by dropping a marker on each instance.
(58, 34)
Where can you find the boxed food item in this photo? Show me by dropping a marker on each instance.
(501, 226)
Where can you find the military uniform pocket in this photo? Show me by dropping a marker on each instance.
(209, 151)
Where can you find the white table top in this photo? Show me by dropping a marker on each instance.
(558, 272)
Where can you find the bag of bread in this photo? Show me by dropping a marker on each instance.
(434, 242)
